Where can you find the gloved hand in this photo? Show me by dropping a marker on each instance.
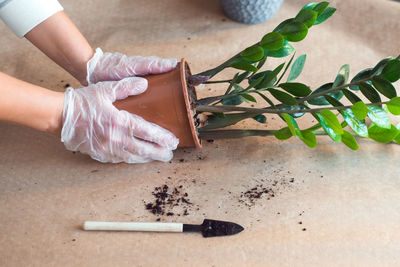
(92, 125)
(116, 66)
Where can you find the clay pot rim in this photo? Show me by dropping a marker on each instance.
(189, 111)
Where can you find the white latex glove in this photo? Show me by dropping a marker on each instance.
(116, 66)
(92, 125)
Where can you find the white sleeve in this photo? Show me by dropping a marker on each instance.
(21, 16)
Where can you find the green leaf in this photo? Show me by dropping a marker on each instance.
(241, 77)
(232, 101)
(379, 117)
(394, 105)
(283, 97)
(271, 76)
(296, 107)
(283, 24)
(263, 76)
(260, 118)
(296, 89)
(358, 126)
(360, 110)
(286, 50)
(283, 134)
(384, 87)
(331, 121)
(328, 12)
(309, 6)
(309, 138)
(244, 66)
(249, 97)
(253, 53)
(297, 68)
(333, 101)
(351, 96)
(342, 76)
(377, 70)
(360, 76)
(320, 100)
(292, 124)
(294, 31)
(307, 17)
(320, 7)
(369, 92)
(392, 70)
(266, 99)
(349, 140)
(272, 41)
(382, 135)
(216, 121)
(397, 138)
(332, 134)
(254, 82)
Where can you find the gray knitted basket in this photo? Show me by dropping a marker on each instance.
(251, 11)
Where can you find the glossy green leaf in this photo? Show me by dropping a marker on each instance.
(271, 76)
(397, 138)
(249, 97)
(351, 96)
(297, 107)
(263, 84)
(342, 76)
(272, 41)
(255, 82)
(382, 135)
(370, 93)
(260, 118)
(384, 87)
(349, 140)
(309, 138)
(377, 70)
(326, 14)
(364, 74)
(283, 134)
(286, 50)
(394, 105)
(216, 122)
(294, 31)
(297, 68)
(331, 121)
(333, 101)
(391, 71)
(309, 6)
(332, 134)
(379, 117)
(296, 89)
(283, 24)
(320, 100)
(357, 125)
(232, 101)
(243, 66)
(253, 53)
(307, 17)
(241, 77)
(283, 97)
(360, 110)
(292, 124)
(320, 7)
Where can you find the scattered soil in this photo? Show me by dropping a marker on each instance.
(250, 197)
(169, 201)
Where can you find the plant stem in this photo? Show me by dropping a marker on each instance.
(222, 81)
(221, 134)
(229, 108)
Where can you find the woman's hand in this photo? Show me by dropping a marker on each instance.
(92, 125)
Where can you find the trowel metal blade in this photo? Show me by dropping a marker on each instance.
(212, 228)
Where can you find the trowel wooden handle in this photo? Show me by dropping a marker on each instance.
(133, 226)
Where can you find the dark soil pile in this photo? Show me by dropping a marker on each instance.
(169, 201)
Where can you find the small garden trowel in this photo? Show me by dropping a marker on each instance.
(208, 228)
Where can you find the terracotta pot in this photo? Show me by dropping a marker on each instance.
(167, 103)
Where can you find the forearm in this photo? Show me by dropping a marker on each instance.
(30, 105)
(61, 41)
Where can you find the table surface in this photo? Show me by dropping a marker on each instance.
(324, 206)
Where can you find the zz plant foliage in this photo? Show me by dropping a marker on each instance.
(290, 100)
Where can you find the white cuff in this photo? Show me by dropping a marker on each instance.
(21, 16)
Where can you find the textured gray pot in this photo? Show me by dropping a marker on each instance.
(251, 11)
